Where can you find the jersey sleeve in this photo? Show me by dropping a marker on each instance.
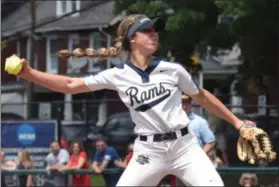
(185, 82)
(102, 80)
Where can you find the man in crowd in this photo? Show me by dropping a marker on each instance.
(55, 160)
(200, 127)
(107, 157)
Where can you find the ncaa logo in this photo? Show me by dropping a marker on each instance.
(26, 134)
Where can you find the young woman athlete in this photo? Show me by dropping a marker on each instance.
(151, 89)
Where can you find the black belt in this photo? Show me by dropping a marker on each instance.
(165, 136)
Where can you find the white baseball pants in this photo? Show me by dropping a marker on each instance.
(183, 158)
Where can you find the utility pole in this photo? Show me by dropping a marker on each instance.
(30, 87)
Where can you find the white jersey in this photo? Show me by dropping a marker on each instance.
(153, 96)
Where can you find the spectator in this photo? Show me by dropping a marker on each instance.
(64, 143)
(6, 165)
(25, 162)
(58, 158)
(130, 153)
(248, 180)
(107, 157)
(200, 127)
(78, 160)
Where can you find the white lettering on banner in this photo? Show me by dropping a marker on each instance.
(27, 137)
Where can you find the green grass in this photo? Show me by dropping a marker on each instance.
(97, 180)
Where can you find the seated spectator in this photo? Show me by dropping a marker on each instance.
(58, 158)
(78, 160)
(130, 153)
(248, 180)
(24, 161)
(107, 157)
(8, 165)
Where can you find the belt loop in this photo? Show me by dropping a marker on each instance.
(178, 133)
(150, 139)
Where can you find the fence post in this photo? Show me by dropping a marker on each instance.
(59, 121)
(85, 111)
(66, 179)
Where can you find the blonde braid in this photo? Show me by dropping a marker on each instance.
(105, 52)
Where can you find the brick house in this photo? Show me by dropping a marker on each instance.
(60, 25)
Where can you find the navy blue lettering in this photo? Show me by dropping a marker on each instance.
(136, 97)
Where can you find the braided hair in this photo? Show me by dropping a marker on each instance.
(104, 53)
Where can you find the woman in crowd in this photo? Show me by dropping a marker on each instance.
(24, 161)
(78, 160)
(248, 180)
(7, 165)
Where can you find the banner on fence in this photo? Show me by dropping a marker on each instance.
(35, 136)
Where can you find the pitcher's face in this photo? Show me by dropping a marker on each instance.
(145, 41)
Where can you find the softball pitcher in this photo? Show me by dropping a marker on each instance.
(151, 89)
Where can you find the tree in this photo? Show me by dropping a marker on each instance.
(188, 23)
(256, 29)
(196, 24)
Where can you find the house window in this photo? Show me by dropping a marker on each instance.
(52, 59)
(96, 41)
(75, 64)
(64, 7)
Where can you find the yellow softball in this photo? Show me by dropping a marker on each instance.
(13, 65)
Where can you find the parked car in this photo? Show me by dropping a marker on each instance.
(118, 130)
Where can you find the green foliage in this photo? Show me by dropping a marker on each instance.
(188, 22)
(256, 31)
(194, 23)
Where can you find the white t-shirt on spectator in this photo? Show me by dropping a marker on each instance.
(60, 159)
